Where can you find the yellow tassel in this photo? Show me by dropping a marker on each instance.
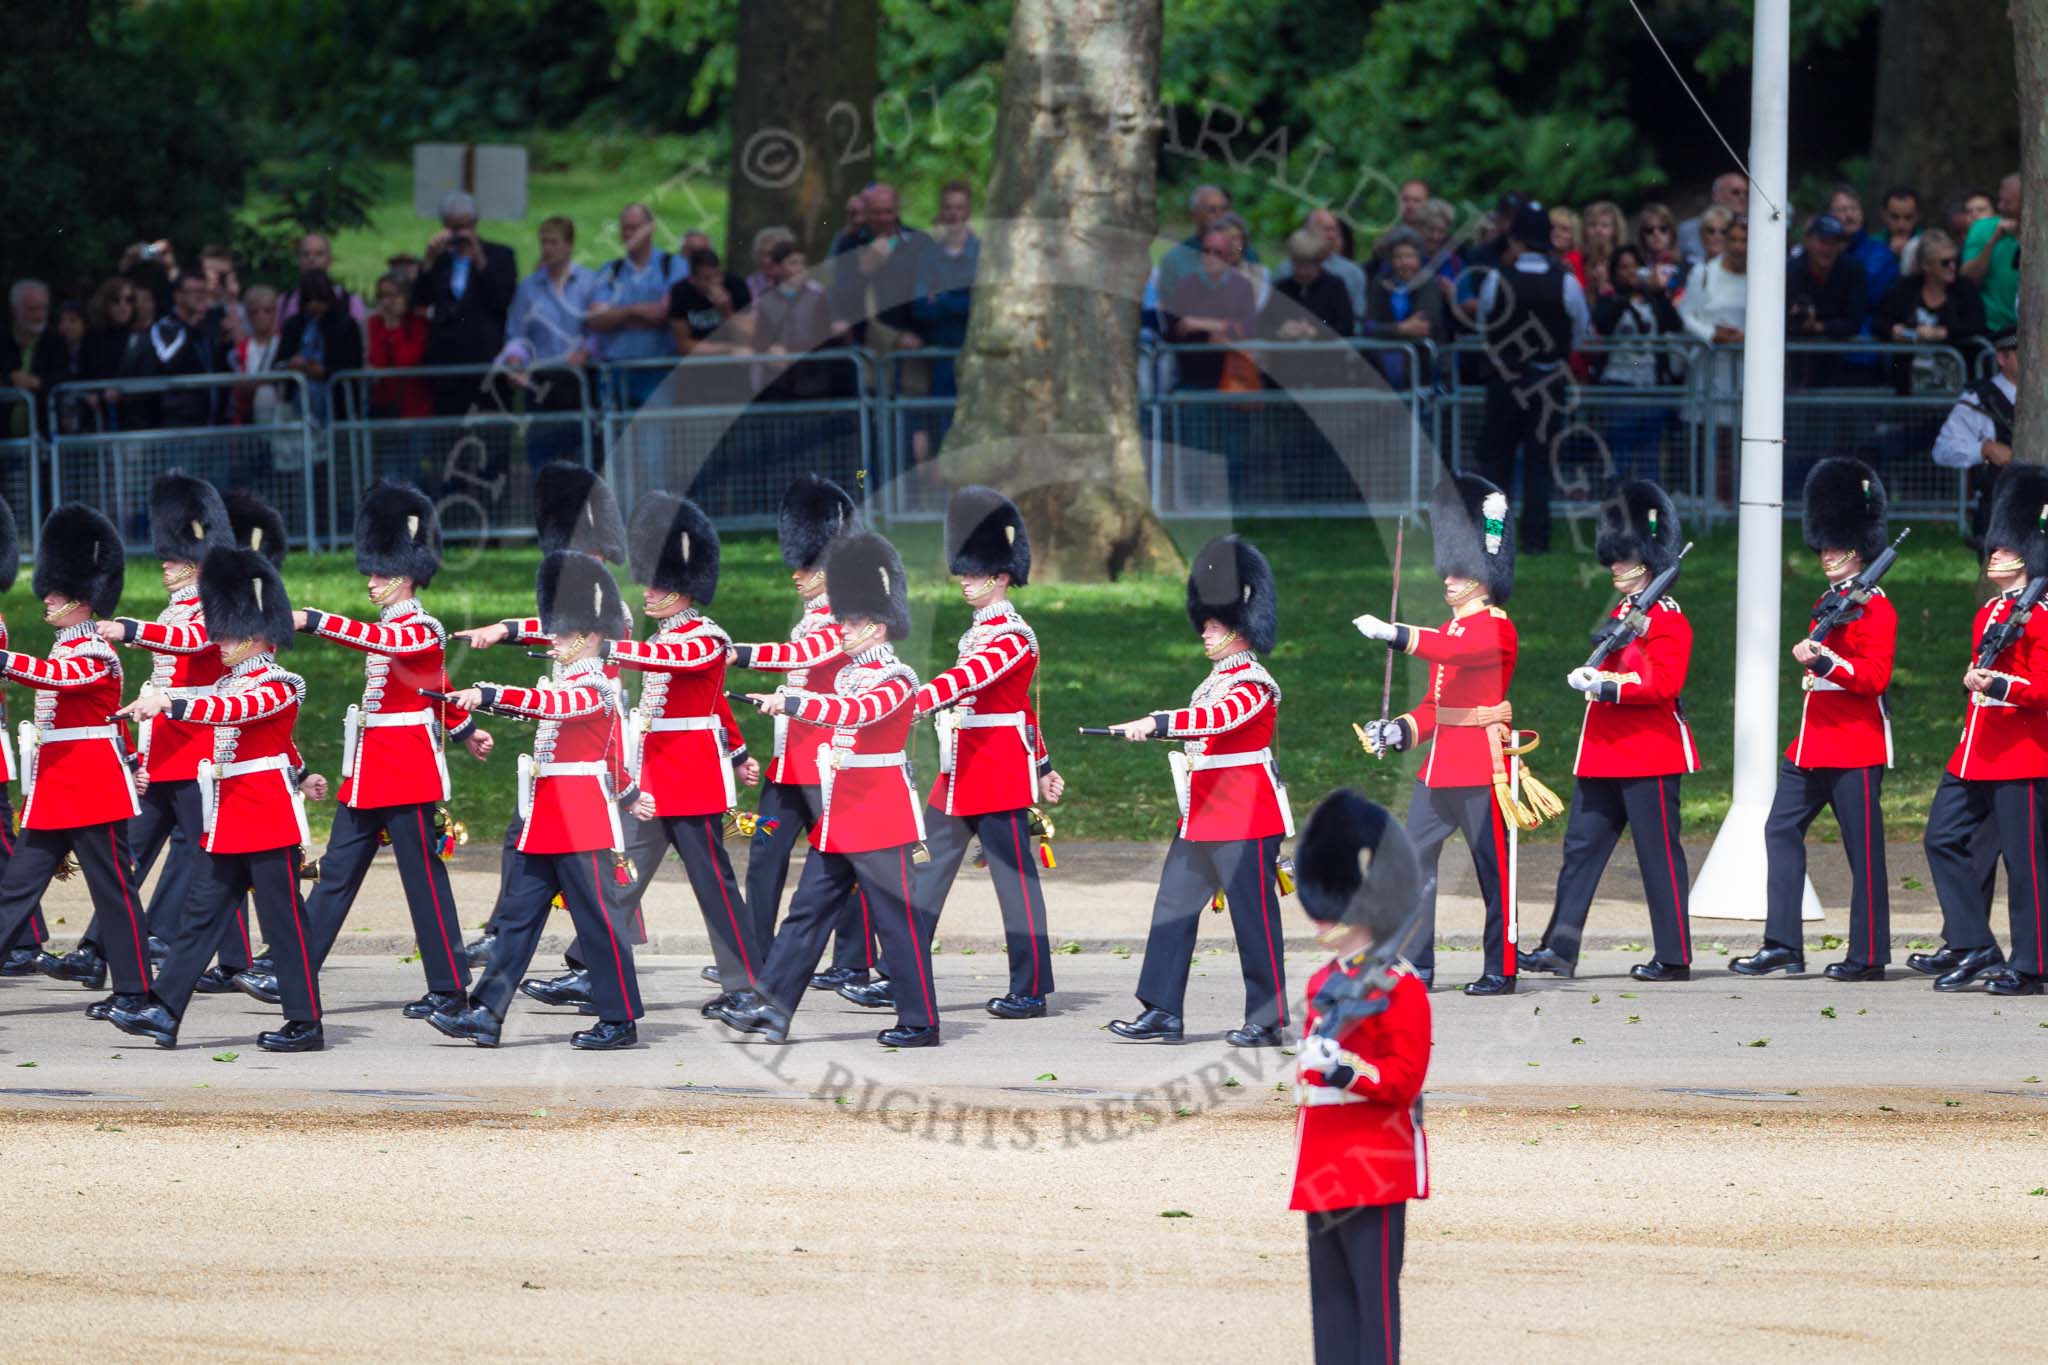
(1041, 824)
(1217, 903)
(1543, 801)
(1045, 855)
(558, 903)
(1363, 742)
(1283, 875)
(1512, 810)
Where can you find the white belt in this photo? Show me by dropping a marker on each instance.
(277, 762)
(68, 734)
(1316, 1096)
(597, 768)
(978, 720)
(1204, 762)
(183, 693)
(842, 758)
(948, 722)
(1813, 684)
(684, 723)
(379, 720)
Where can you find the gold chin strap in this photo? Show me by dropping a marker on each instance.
(815, 580)
(248, 647)
(988, 585)
(665, 603)
(1471, 588)
(50, 614)
(383, 596)
(2005, 563)
(1635, 575)
(183, 576)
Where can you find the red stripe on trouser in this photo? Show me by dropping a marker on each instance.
(910, 922)
(1024, 889)
(1504, 888)
(1386, 1290)
(427, 870)
(2034, 872)
(291, 878)
(1671, 866)
(738, 939)
(1266, 918)
(1869, 889)
(867, 930)
(618, 961)
(127, 904)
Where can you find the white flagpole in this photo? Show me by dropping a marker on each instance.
(1731, 884)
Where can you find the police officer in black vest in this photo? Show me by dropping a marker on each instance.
(1977, 437)
(1532, 314)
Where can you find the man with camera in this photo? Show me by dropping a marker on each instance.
(465, 288)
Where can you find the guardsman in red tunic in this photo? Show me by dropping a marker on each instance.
(1360, 1153)
(1838, 759)
(993, 765)
(253, 818)
(1998, 774)
(186, 520)
(24, 950)
(1233, 806)
(393, 769)
(1633, 749)
(573, 509)
(570, 842)
(77, 792)
(869, 819)
(815, 513)
(1464, 783)
(682, 743)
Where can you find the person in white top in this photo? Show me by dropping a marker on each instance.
(1977, 436)
(1713, 310)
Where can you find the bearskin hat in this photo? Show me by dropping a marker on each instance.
(2019, 515)
(1639, 522)
(985, 535)
(398, 534)
(815, 512)
(1846, 508)
(186, 518)
(573, 509)
(79, 554)
(256, 525)
(674, 547)
(1231, 582)
(1475, 537)
(864, 578)
(244, 597)
(576, 594)
(1354, 864)
(10, 547)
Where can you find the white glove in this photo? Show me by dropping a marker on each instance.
(1386, 736)
(1372, 628)
(1583, 680)
(1317, 1053)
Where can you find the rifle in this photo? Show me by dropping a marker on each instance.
(1619, 630)
(1347, 997)
(1845, 601)
(489, 710)
(2003, 635)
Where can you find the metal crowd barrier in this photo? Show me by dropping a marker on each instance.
(21, 457)
(727, 432)
(1348, 427)
(279, 457)
(491, 426)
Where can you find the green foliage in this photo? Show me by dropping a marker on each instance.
(110, 140)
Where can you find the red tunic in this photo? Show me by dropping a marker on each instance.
(1232, 787)
(1842, 719)
(812, 659)
(2005, 732)
(1365, 1144)
(184, 663)
(254, 803)
(396, 759)
(79, 775)
(570, 786)
(1473, 658)
(1635, 723)
(683, 735)
(863, 766)
(991, 750)
(6, 735)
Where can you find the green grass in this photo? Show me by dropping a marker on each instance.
(1116, 651)
(586, 180)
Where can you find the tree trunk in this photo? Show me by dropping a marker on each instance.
(1048, 378)
(1943, 82)
(2030, 61)
(802, 120)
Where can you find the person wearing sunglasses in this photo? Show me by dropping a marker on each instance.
(1931, 306)
(1657, 236)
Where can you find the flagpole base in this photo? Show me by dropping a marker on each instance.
(1732, 883)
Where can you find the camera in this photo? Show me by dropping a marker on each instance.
(151, 252)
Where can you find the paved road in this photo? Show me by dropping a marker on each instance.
(1600, 1038)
